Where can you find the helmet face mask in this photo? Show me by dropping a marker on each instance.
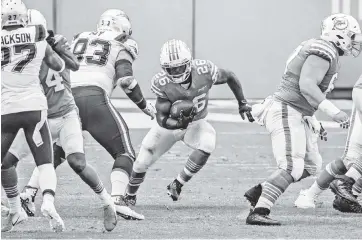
(13, 13)
(341, 29)
(176, 60)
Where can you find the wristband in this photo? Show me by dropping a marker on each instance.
(328, 107)
(63, 67)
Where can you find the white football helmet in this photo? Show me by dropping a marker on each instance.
(36, 18)
(13, 13)
(176, 60)
(342, 29)
(114, 20)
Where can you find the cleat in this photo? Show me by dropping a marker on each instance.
(344, 205)
(304, 201)
(342, 187)
(27, 198)
(110, 217)
(4, 208)
(174, 190)
(253, 194)
(55, 221)
(124, 211)
(130, 200)
(260, 216)
(14, 219)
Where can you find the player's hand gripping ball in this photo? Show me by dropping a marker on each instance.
(184, 111)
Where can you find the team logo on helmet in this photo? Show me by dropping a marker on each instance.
(340, 23)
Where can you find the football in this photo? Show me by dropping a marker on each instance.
(185, 105)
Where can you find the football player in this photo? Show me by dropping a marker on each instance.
(288, 116)
(182, 78)
(64, 126)
(106, 57)
(24, 106)
(351, 159)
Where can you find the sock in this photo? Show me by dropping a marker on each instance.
(48, 197)
(315, 190)
(14, 204)
(354, 172)
(193, 165)
(357, 187)
(105, 197)
(34, 179)
(135, 182)
(9, 181)
(91, 178)
(119, 180)
(273, 187)
(47, 178)
(331, 171)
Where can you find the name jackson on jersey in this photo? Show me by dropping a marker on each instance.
(16, 38)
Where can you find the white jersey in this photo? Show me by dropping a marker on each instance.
(98, 52)
(22, 51)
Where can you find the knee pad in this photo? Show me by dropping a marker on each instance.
(336, 168)
(77, 162)
(208, 142)
(144, 159)
(313, 163)
(9, 161)
(294, 167)
(124, 162)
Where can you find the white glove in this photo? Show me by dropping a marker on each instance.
(150, 110)
(316, 127)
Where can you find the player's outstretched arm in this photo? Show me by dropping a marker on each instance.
(313, 72)
(61, 46)
(226, 76)
(163, 107)
(53, 61)
(124, 74)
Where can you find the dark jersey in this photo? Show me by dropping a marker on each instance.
(289, 90)
(203, 74)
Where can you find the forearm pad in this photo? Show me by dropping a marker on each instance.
(135, 94)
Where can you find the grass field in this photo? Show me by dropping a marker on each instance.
(212, 204)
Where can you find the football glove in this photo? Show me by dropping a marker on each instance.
(150, 110)
(183, 121)
(245, 109)
(323, 133)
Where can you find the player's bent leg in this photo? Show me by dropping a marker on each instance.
(285, 126)
(40, 142)
(357, 187)
(343, 186)
(157, 141)
(201, 137)
(71, 139)
(113, 135)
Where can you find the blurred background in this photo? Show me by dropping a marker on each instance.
(251, 37)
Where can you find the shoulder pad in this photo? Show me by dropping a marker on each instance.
(158, 83)
(206, 67)
(76, 36)
(40, 33)
(129, 44)
(322, 49)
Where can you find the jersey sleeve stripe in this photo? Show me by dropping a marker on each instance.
(40, 33)
(158, 93)
(154, 86)
(322, 53)
(215, 74)
(326, 48)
